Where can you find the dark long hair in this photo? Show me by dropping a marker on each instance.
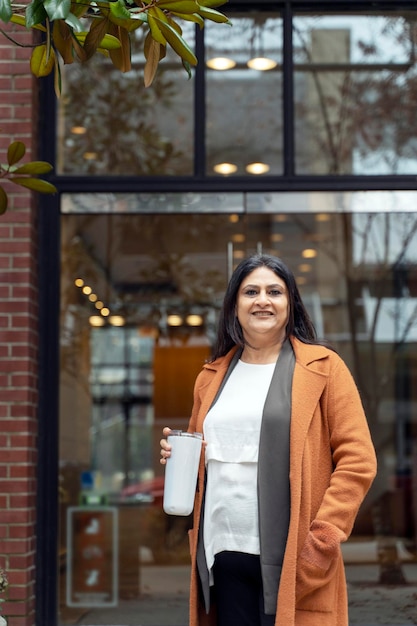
(229, 331)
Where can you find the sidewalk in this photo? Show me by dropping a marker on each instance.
(162, 593)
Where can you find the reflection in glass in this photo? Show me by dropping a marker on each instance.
(243, 105)
(165, 274)
(109, 124)
(355, 94)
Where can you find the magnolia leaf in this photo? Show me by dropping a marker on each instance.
(95, 35)
(213, 15)
(5, 11)
(109, 42)
(177, 43)
(152, 51)
(73, 21)
(35, 13)
(187, 68)
(21, 21)
(35, 184)
(42, 64)
(211, 3)
(34, 167)
(154, 22)
(180, 6)
(62, 37)
(15, 152)
(194, 17)
(57, 79)
(118, 10)
(57, 9)
(121, 57)
(77, 40)
(3, 201)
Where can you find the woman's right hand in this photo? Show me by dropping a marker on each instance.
(165, 447)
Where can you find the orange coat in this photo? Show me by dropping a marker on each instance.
(332, 465)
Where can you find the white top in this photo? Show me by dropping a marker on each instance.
(231, 429)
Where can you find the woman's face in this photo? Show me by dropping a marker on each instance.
(262, 306)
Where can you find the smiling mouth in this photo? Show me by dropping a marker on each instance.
(262, 313)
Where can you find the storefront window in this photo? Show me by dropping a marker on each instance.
(244, 97)
(355, 94)
(141, 292)
(110, 124)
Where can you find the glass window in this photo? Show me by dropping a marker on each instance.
(244, 96)
(110, 124)
(140, 298)
(355, 94)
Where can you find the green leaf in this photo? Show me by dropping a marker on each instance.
(5, 10)
(57, 9)
(35, 13)
(15, 152)
(34, 167)
(118, 10)
(3, 201)
(213, 15)
(73, 21)
(180, 6)
(177, 43)
(211, 3)
(35, 184)
(21, 21)
(190, 17)
(109, 42)
(40, 63)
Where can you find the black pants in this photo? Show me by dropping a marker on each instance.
(238, 590)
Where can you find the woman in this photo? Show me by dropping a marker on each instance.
(287, 463)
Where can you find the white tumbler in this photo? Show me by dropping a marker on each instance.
(181, 472)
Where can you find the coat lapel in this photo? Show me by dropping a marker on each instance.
(308, 386)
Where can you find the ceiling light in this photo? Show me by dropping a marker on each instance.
(309, 253)
(261, 63)
(87, 290)
(277, 237)
(301, 280)
(322, 217)
(78, 282)
(304, 267)
(194, 320)
(174, 320)
(233, 218)
(105, 311)
(225, 168)
(96, 320)
(93, 297)
(117, 320)
(221, 63)
(257, 168)
(99, 304)
(238, 238)
(78, 130)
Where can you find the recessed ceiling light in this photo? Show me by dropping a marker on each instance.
(96, 320)
(261, 63)
(174, 320)
(225, 168)
(194, 320)
(117, 320)
(309, 253)
(221, 63)
(257, 168)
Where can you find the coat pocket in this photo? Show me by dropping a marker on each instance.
(317, 568)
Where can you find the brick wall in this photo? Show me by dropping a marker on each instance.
(18, 341)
